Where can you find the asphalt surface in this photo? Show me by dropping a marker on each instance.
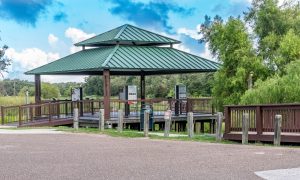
(86, 156)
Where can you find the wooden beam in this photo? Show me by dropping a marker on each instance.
(143, 86)
(37, 79)
(106, 93)
(38, 92)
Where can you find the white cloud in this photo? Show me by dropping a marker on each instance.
(31, 58)
(193, 33)
(52, 39)
(206, 53)
(77, 35)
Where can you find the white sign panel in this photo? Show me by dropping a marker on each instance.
(182, 92)
(132, 93)
(76, 94)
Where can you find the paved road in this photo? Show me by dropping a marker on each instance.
(86, 156)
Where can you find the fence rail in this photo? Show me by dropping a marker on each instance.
(261, 118)
(56, 110)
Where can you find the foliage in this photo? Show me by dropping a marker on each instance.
(49, 91)
(65, 88)
(264, 43)
(285, 89)
(30, 89)
(231, 44)
(271, 25)
(93, 86)
(12, 87)
(4, 61)
(156, 86)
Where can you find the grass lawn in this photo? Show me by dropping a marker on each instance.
(139, 134)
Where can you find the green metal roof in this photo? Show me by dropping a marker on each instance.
(127, 60)
(127, 34)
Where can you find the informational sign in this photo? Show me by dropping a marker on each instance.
(132, 93)
(180, 92)
(76, 94)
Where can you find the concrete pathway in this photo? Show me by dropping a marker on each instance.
(91, 156)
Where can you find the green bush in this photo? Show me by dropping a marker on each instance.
(284, 89)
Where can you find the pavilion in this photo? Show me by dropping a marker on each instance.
(125, 50)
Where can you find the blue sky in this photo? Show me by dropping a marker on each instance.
(40, 31)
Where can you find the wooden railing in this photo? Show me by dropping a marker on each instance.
(261, 118)
(56, 110)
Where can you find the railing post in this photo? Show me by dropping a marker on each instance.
(167, 117)
(58, 109)
(120, 121)
(245, 128)
(2, 115)
(101, 119)
(227, 119)
(20, 116)
(277, 129)
(146, 122)
(66, 108)
(92, 107)
(190, 120)
(50, 111)
(76, 119)
(31, 113)
(219, 126)
(259, 122)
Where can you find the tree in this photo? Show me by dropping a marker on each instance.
(4, 61)
(231, 44)
(276, 89)
(49, 91)
(270, 24)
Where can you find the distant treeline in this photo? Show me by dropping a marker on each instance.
(198, 85)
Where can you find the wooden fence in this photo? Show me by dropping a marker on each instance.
(261, 121)
(53, 112)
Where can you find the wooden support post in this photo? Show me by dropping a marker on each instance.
(2, 115)
(219, 126)
(146, 122)
(50, 111)
(190, 121)
(20, 116)
(197, 127)
(245, 128)
(101, 120)
(277, 130)
(106, 92)
(167, 117)
(37, 84)
(202, 127)
(76, 119)
(143, 90)
(259, 122)
(66, 108)
(120, 121)
(92, 107)
(58, 109)
(227, 119)
(31, 113)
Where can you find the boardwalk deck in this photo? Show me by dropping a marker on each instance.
(59, 113)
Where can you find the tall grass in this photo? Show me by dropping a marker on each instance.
(14, 100)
